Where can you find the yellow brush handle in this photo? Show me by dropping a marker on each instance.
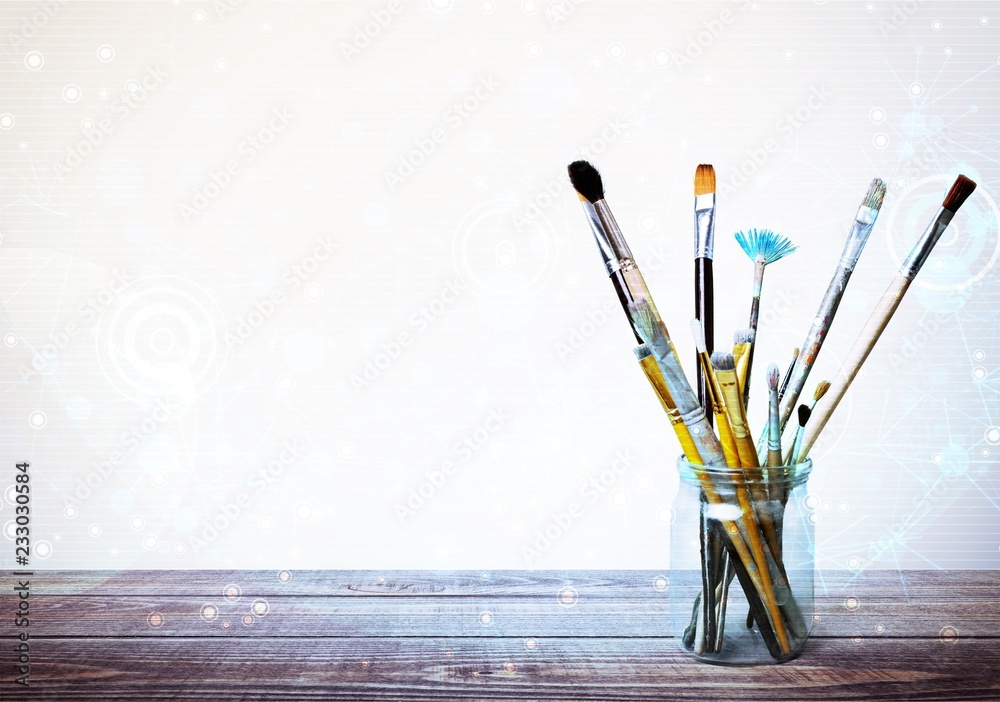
(852, 364)
(637, 288)
(741, 354)
(652, 371)
(733, 397)
(726, 437)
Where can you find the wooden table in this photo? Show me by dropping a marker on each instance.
(421, 635)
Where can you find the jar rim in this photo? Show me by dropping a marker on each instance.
(795, 473)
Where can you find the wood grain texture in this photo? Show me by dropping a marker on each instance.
(366, 635)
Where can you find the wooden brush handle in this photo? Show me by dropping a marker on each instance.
(855, 359)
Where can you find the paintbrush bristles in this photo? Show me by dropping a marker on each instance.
(587, 180)
(821, 390)
(704, 180)
(743, 336)
(645, 320)
(959, 193)
(641, 351)
(805, 411)
(764, 244)
(773, 376)
(723, 361)
(698, 332)
(876, 194)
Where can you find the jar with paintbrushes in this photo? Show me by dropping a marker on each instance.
(750, 526)
(740, 505)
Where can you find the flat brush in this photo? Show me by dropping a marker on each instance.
(764, 247)
(864, 220)
(960, 191)
(704, 251)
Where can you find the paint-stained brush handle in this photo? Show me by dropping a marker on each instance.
(855, 359)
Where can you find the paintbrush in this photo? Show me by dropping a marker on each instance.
(805, 411)
(704, 250)
(654, 335)
(764, 247)
(788, 374)
(773, 426)
(742, 343)
(819, 392)
(864, 220)
(590, 186)
(611, 263)
(725, 373)
(716, 400)
(652, 372)
(960, 191)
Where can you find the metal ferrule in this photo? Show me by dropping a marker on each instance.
(922, 249)
(860, 230)
(611, 263)
(696, 415)
(615, 238)
(704, 226)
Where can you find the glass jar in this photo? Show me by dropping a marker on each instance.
(726, 607)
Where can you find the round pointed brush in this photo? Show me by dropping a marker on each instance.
(773, 425)
(805, 411)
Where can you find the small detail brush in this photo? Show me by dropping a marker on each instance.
(960, 191)
(818, 393)
(704, 251)
(804, 413)
(788, 374)
(654, 335)
(864, 220)
(764, 247)
(773, 429)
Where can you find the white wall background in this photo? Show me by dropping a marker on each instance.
(902, 91)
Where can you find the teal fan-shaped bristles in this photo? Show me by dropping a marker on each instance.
(764, 243)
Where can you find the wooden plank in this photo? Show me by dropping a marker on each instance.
(489, 668)
(506, 583)
(590, 616)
